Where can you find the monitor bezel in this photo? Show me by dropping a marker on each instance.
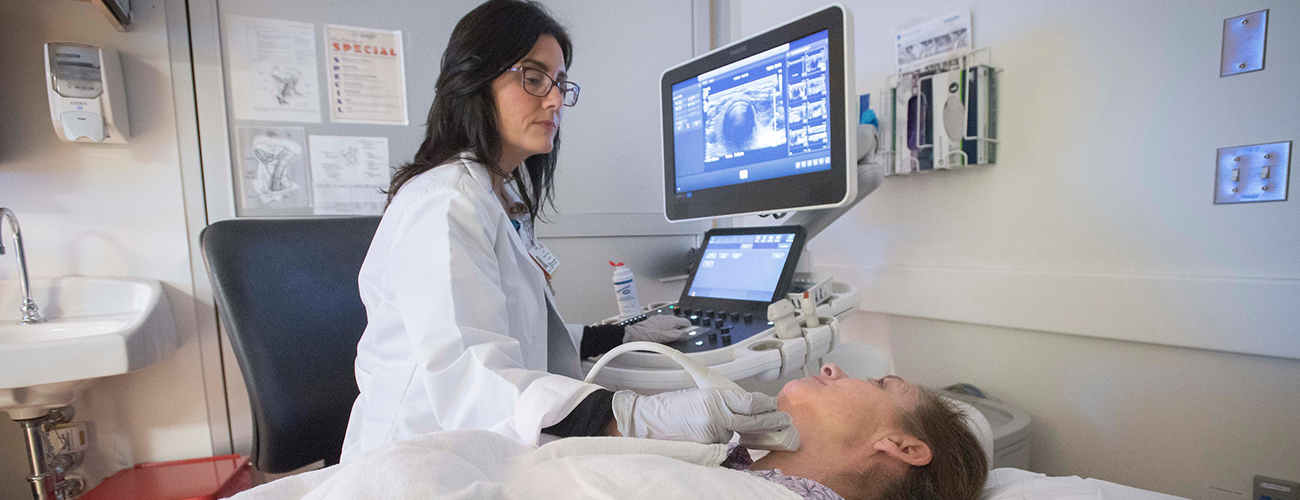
(824, 189)
(782, 284)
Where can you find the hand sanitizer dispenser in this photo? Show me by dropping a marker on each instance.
(87, 99)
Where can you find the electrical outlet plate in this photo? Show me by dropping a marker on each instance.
(1252, 173)
(1244, 38)
(1267, 488)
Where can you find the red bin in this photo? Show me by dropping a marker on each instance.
(194, 479)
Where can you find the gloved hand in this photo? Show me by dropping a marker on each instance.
(697, 415)
(658, 328)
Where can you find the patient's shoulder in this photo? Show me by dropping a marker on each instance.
(802, 486)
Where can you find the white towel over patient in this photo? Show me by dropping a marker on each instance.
(479, 464)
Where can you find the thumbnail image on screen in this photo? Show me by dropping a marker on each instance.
(762, 117)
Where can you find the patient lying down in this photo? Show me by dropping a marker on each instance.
(881, 439)
(873, 439)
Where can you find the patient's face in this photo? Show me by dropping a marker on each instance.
(832, 406)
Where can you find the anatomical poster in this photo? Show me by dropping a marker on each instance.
(349, 175)
(272, 69)
(272, 173)
(367, 75)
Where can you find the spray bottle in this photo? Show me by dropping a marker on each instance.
(625, 291)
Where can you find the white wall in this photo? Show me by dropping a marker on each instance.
(610, 159)
(1188, 422)
(105, 210)
(1097, 221)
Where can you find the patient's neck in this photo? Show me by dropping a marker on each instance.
(813, 463)
(834, 463)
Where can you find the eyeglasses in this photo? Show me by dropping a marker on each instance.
(538, 83)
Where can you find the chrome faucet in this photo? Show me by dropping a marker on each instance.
(31, 313)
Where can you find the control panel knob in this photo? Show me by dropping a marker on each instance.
(749, 318)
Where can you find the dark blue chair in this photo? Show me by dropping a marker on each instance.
(287, 294)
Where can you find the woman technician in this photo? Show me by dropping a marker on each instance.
(462, 330)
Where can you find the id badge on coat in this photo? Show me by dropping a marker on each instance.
(543, 257)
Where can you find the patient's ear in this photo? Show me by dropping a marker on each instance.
(905, 448)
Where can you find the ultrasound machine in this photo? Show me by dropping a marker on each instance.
(765, 125)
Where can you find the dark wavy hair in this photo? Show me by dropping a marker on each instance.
(463, 119)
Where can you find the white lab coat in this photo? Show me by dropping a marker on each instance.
(462, 332)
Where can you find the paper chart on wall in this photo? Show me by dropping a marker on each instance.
(273, 73)
(349, 175)
(273, 176)
(367, 75)
(933, 41)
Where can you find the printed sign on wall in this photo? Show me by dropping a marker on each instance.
(349, 175)
(367, 75)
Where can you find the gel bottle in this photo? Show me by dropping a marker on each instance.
(625, 291)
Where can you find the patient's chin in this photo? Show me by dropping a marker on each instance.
(795, 390)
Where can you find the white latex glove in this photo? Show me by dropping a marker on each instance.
(659, 328)
(697, 415)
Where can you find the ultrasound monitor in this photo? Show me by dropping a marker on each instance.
(766, 124)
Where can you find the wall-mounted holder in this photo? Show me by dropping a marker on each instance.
(940, 118)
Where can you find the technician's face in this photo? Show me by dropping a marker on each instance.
(833, 407)
(527, 122)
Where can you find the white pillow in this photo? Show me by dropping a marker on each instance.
(1015, 484)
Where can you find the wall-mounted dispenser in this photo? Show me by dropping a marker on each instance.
(943, 117)
(87, 98)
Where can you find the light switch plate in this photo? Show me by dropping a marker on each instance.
(1252, 173)
(1267, 488)
(1244, 39)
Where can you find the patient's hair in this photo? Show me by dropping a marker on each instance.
(957, 469)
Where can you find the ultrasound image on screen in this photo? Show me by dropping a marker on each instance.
(747, 121)
(796, 113)
(797, 90)
(816, 109)
(747, 117)
(816, 86)
(799, 137)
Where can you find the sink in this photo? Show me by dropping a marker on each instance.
(95, 327)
